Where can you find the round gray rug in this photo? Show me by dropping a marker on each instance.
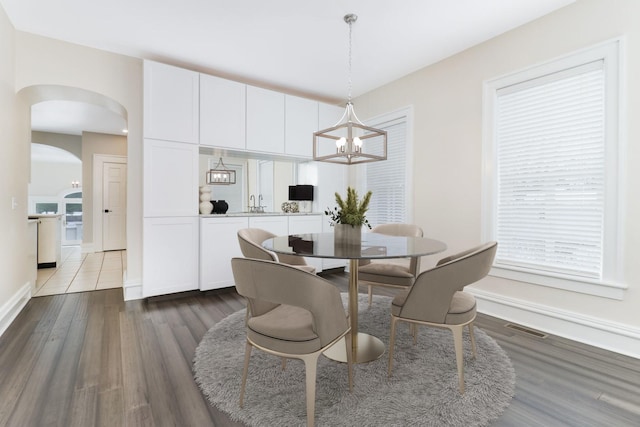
(423, 390)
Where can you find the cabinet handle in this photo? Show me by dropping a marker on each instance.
(107, 211)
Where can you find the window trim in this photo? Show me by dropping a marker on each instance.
(612, 283)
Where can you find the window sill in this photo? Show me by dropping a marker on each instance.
(590, 287)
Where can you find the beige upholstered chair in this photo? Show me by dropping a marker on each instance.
(295, 314)
(396, 273)
(437, 299)
(251, 239)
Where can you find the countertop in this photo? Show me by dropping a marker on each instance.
(38, 216)
(259, 214)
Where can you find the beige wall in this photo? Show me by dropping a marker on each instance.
(95, 143)
(70, 143)
(447, 100)
(42, 61)
(14, 173)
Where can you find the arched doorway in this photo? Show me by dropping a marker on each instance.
(77, 203)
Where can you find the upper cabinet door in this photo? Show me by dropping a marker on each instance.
(328, 115)
(265, 120)
(301, 121)
(170, 178)
(171, 103)
(222, 112)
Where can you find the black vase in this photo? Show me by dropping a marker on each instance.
(220, 206)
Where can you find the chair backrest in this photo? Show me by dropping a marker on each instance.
(406, 230)
(266, 284)
(430, 296)
(251, 239)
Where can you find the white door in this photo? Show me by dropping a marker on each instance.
(114, 206)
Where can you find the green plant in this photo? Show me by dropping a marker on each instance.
(350, 211)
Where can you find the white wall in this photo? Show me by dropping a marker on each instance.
(447, 100)
(49, 179)
(43, 61)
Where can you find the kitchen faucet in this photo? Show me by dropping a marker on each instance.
(252, 207)
(260, 207)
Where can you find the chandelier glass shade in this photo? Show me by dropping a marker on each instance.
(221, 175)
(350, 141)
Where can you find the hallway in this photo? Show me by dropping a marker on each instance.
(80, 272)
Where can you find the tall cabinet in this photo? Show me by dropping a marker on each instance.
(184, 111)
(170, 180)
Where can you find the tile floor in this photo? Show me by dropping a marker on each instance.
(80, 272)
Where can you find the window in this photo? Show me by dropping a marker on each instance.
(388, 180)
(551, 162)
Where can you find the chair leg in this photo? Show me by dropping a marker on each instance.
(245, 370)
(473, 339)
(392, 338)
(310, 364)
(370, 294)
(284, 363)
(347, 342)
(414, 331)
(457, 341)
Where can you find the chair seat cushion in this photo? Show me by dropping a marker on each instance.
(398, 302)
(307, 268)
(462, 309)
(286, 329)
(390, 273)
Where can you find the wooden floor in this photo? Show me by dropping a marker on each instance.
(89, 359)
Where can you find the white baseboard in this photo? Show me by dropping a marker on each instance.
(132, 290)
(10, 310)
(616, 337)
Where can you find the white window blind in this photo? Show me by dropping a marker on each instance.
(387, 179)
(550, 135)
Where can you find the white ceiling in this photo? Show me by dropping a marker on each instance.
(292, 45)
(71, 117)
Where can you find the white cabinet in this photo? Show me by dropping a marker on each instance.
(222, 112)
(304, 224)
(265, 120)
(277, 225)
(328, 115)
(171, 103)
(218, 244)
(301, 121)
(170, 256)
(49, 240)
(170, 179)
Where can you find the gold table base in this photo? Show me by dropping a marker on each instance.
(369, 349)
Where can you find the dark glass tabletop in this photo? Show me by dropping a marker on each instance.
(373, 246)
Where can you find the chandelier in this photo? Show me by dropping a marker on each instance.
(220, 175)
(350, 141)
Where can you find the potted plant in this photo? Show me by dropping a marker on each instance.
(349, 216)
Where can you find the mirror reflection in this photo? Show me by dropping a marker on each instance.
(261, 184)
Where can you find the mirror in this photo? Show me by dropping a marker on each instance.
(269, 178)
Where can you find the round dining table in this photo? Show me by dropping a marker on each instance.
(364, 347)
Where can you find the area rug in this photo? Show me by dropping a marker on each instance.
(423, 390)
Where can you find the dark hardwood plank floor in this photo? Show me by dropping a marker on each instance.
(90, 359)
